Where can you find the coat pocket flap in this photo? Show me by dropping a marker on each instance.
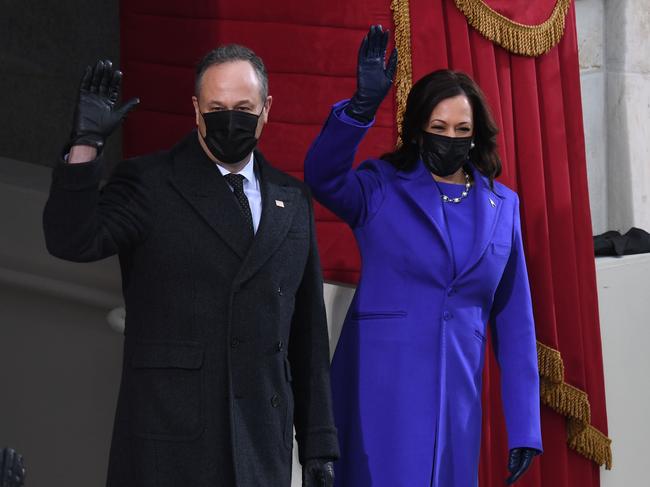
(377, 315)
(298, 235)
(167, 355)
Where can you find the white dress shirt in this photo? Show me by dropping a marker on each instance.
(251, 189)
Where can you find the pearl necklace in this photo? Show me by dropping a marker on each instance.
(464, 194)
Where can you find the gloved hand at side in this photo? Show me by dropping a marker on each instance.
(519, 460)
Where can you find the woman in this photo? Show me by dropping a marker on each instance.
(442, 254)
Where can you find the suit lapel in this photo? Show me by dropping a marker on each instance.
(279, 205)
(420, 191)
(197, 179)
(487, 208)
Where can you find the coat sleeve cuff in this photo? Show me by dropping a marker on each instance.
(318, 443)
(77, 177)
(339, 112)
(535, 443)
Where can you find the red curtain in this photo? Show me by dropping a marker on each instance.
(310, 52)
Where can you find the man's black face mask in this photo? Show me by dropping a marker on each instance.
(230, 134)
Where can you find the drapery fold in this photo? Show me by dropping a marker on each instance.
(310, 52)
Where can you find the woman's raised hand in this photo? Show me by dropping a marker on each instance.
(374, 75)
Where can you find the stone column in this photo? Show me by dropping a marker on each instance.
(627, 32)
(591, 46)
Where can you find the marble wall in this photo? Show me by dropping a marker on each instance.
(591, 45)
(615, 74)
(628, 112)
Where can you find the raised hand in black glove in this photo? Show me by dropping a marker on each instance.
(97, 114)
(318, 473)
(12, 469)
(519, 460)
(374, 76)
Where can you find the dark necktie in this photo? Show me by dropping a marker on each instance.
(236, 181)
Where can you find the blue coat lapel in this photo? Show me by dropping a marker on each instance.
(420, 190)
(487, 209)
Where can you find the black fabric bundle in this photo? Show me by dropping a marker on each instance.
(635, 241)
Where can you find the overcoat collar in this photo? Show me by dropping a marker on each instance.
(197, 179)
(279, 205)
(420, 188)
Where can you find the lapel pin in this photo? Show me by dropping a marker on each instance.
(279, 203)
(492, 203)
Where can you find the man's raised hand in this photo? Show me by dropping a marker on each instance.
(97, 114)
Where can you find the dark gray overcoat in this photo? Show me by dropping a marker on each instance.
(226, 341)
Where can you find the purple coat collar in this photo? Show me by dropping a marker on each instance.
(419, 188)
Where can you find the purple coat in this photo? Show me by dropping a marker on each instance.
(407, 371)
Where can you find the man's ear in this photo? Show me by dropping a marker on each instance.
(197, 112)
(267, 108)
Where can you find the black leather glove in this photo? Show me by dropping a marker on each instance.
(318, 473)
(374, 76)
(97, 114)
(12, 469)
(519, 460)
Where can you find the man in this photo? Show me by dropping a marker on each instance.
(12, 468)
(225, 324)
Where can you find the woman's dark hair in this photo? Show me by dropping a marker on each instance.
(424, 97)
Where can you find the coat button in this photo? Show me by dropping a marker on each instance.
(447, 316)
(275, 401)
(280, 291)
(280, 346)
(234, 343)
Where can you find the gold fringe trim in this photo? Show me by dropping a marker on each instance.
(550, 363)
(594, 445)
(566, 400)
(527, 40)
(572, 403)
(404, 75)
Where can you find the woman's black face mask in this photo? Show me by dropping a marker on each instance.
(444, 155)
(230, 134)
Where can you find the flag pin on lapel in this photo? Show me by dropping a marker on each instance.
(492, 203)
(279, 203)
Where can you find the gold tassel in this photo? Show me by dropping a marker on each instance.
(566, 400)
(527, 40)
(404, 75)
(573, 403)
(590, 443)
(550, 363)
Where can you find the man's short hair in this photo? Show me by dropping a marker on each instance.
(229, 53)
